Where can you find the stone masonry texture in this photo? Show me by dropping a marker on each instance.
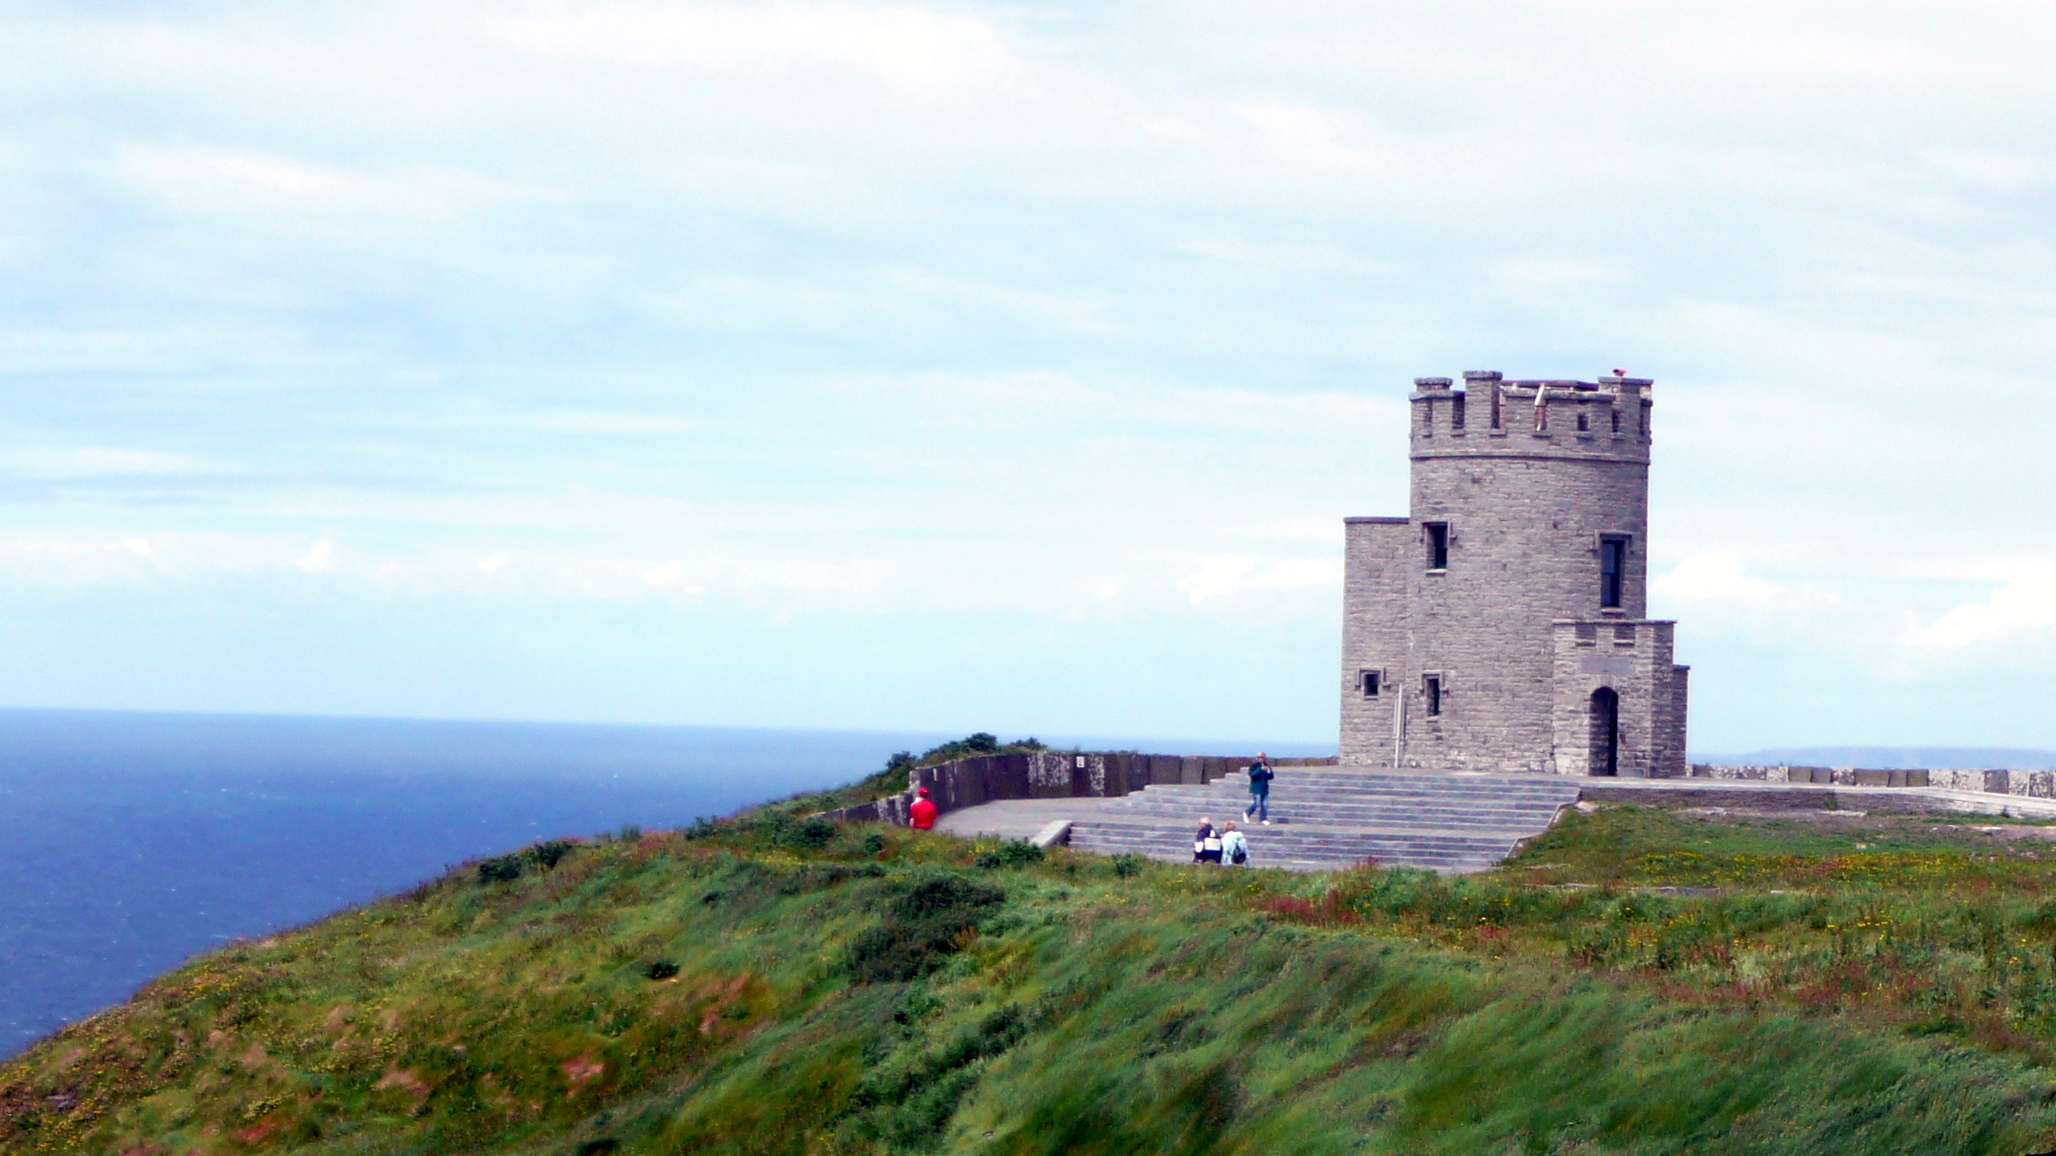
(1503, 659)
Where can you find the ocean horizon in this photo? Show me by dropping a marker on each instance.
(137, 840)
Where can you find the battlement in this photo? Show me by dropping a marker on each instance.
(1493, 417)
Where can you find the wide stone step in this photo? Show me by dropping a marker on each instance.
(1334, 794)
(1325, 818)
(1382, 779)
(1541, 813)
(1335, 841)
(1438, 806)
(1361, 839)
(1309, 858)
(1468, 792)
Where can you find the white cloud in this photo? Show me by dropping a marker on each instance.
(319, 558)
(574, 421)
(492, 564)
(1225, 574)
(2025, 604)
(1309, 137)
(909, 48)
(53, 462)
(1713, 578)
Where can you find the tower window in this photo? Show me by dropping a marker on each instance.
(1368, 680)
(1495, 406)
(1616, 421)
(1613, 569)
(1431, 689)
(1438, 545)
(1582, 424)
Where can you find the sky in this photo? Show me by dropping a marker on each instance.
(954, 366)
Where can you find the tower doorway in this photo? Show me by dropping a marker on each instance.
(1606, 732)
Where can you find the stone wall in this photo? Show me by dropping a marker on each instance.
(2028, 784)
(1049, 775)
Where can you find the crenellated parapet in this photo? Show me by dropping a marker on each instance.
(1493, 417)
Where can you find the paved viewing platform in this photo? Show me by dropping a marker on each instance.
(1325, 818)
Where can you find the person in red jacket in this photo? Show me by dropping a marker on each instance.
(922, 812)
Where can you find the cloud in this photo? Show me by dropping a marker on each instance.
(573, 421)
(55, 462)
(910, 49)
(1713, 578)
(1222, 575)
(319, 558)
(2024, 605)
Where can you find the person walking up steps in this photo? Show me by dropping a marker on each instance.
(1234, 846)
(1206, 846)
(1260, 775)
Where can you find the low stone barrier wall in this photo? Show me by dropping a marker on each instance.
(2030, 784)
(1049, 775)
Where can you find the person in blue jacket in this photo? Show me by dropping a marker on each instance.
(1260, 775)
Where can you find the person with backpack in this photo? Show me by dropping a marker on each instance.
(1260, 776)
(1235, 846)
(1206, 846)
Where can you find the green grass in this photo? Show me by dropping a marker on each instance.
(770, 986)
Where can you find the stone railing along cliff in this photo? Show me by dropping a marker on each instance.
(1049, 775)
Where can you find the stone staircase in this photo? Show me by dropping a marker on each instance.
(1325, 818)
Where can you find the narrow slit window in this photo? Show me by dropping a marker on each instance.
(1456, 412)
(1583, 425)
(1369, 680)
(1431, 689)
(1613, 569)
(1438, 545)
(1616, 421)
(1495, 407)
(1428, 418)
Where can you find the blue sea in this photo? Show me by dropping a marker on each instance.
(130, 842)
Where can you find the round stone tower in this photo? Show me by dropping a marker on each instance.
(1501, 625)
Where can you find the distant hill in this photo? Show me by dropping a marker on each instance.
(1989, 758)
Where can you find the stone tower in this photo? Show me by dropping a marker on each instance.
(1502, 626)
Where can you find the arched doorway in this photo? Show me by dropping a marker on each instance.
(1606, 732)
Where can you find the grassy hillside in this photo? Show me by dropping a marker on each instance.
(1637, 982)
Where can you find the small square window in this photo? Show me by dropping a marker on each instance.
(1431, 689)
(1588, 634)
(1367, 680)
(1438, 545)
